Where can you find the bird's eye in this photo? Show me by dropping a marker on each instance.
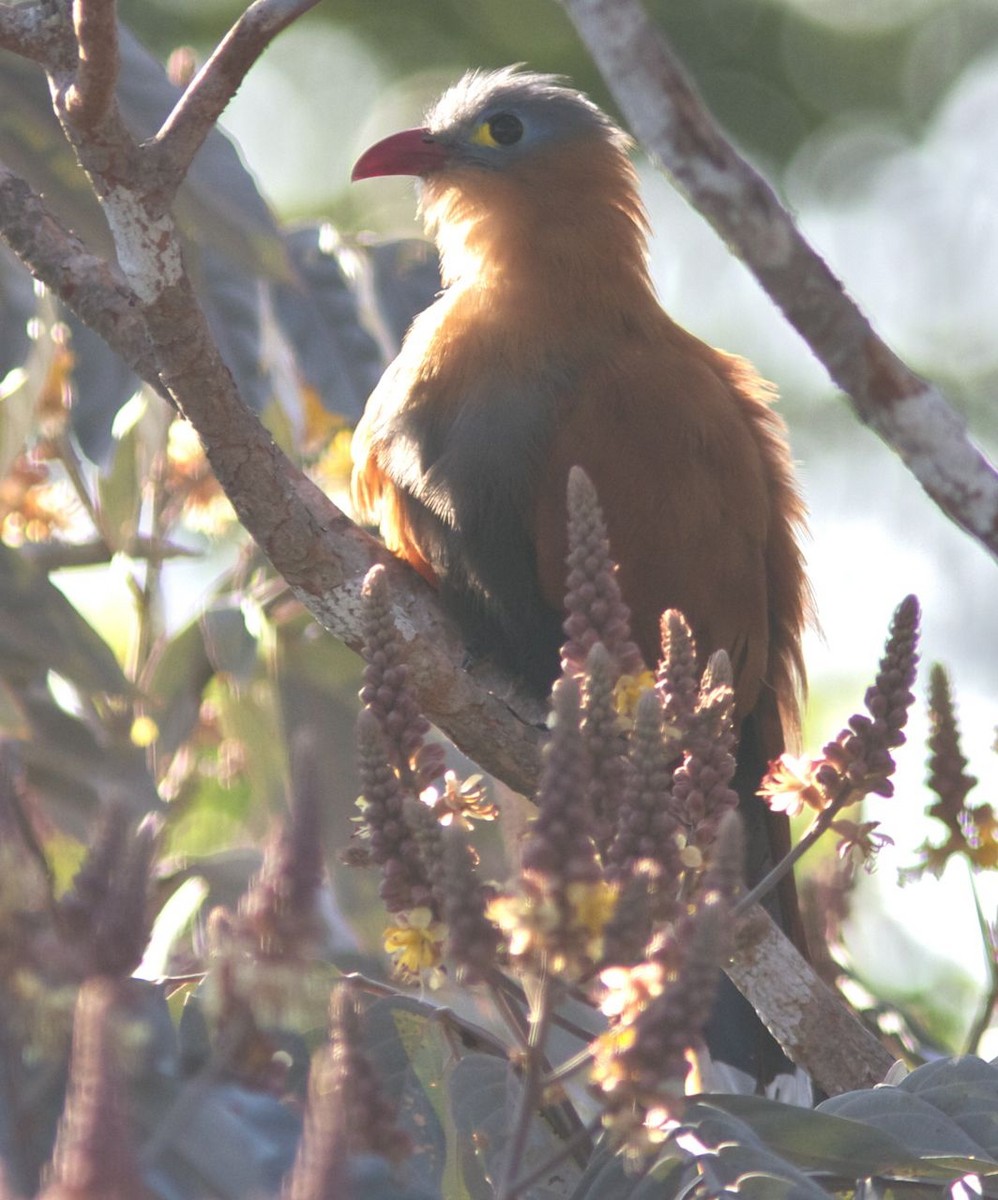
(505, 129)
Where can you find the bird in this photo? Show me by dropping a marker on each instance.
(547, 348)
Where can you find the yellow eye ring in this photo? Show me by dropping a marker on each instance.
(504, 129)
(482, 135)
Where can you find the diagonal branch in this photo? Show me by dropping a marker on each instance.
(90, 94)
(667, 116)
(22, 30)
(217, 82)
(802, 1012)
(84, 282)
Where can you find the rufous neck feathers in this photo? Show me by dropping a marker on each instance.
(568, 222)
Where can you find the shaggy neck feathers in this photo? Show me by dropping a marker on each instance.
(567, 224)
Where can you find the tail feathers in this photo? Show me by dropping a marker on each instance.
(766, 834)
(744, 1056)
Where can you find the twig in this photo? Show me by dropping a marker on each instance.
(71, 464)
(208, 93)
(580, 1139)
(531, 1094)
(509, 1011)
(848, 794)
(571, 1066)
(149, 598)
(58, 556)
(90, 94)
(983, 1020)
(670, 120)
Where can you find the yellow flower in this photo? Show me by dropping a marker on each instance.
(414, 942)
(592, 904)
(628, 691)
(144, 732)
(629, 990)
(527, 920)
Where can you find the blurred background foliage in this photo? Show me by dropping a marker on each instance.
(877, 120)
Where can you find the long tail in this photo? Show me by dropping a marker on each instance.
(746, 1057)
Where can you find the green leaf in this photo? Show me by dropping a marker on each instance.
(732, 1154)
(485, 1096)
(120, 489)
(230, 647)
(179, 672)
(41, 631)
(966, 1089)
(405, 1041)
(816, 1141)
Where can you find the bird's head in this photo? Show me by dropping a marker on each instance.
(512, 158)
(492, 121)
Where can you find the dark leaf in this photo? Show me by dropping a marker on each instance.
(485, 1095)
(406, 279)
(179, 672)
(230, 647)
(220, 1140)
(405, 1044)
(916, 1123)
(318, 313)
(17, 307)
(230, 297)
(41, 631)
(102, 383)
(736, 1156)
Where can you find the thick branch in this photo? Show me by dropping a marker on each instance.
(85, 283)
(670, 120)
(186, 128)
(91, 92)
(804, 1015)
(23, 30)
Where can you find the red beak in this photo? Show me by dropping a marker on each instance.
(411, 152)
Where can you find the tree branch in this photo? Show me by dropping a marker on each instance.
(90, 94)
(196, 112)
(669, 119)
(23, 31)
(802, 1012)
(88, 285)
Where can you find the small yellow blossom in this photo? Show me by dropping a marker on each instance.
(593, 905)
(527, 920)
(629, 989)
(415, 942)
(331, 466)
(144, 732)
(628, 691)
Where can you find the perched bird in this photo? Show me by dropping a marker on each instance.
(548, 348)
